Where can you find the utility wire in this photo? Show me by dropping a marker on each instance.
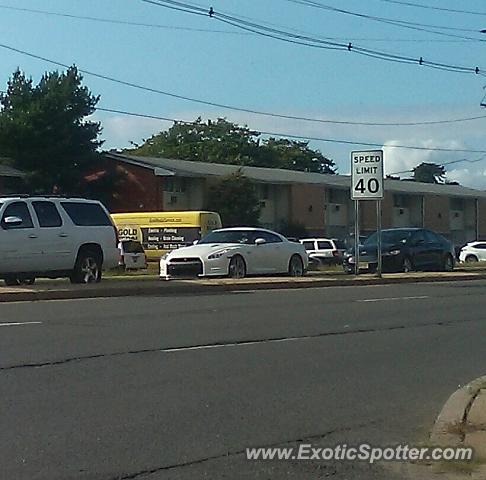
(304, 137)
(392, 21)
(235, 108)
(118, 22)
(204, 30)
(310, 41)
(430, 7)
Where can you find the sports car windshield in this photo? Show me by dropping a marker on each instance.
(229, 236)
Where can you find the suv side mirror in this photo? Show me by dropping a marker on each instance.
(9, 222)
(260, 241)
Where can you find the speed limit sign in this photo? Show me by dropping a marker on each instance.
(367, 175)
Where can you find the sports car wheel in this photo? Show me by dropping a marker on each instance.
(237, 267)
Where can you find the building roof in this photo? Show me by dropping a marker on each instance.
(8, 171)
(186, 168)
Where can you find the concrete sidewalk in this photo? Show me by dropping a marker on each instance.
(150, 285)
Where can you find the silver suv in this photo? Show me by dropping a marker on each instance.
(55, 237)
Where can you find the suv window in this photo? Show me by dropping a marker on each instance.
(481, 246)
(324, 245)
(86, 214)
(267, 236)
(340, 244)
(309, 245)
(47, 214)
(21, 210)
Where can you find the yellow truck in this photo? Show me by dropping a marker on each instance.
(159, 232)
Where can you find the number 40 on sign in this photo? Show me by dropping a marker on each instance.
(367, 175)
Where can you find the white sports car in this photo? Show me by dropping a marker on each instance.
(236, 252)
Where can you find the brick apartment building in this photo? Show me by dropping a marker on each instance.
(318, 201)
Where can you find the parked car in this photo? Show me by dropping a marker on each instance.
(473, 252)
(55, 237)
(404, 250)
(324, 251)
(236, 252)
(132, 255)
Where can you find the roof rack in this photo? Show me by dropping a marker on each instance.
(27, 195)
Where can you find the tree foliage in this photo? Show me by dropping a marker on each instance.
(235, 198)
(43, 129)
(429, 173)
(225, 142)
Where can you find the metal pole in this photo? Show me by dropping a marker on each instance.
(378, 243)
(356, 237)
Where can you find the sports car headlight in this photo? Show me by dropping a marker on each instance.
(218, 254)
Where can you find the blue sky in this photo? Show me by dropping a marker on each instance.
(259, 73)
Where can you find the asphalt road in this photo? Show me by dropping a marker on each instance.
(178, 387)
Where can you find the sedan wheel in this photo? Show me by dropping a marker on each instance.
(407, 265)
(296, 267)
(448, 263)
(237, 267)
(471, 259)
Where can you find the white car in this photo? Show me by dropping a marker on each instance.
(236, 252)
(473, 252)
(324, 250)
(55, 237)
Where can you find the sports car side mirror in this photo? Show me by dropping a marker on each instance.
(260, 241)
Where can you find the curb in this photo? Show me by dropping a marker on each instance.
(176, 288)
(446, 430)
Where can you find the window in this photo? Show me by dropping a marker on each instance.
(130, 246)
(431, 237)
(481, 246)
(174, 185)
(47, 214)
(309, 245)
(324, 245)
(267, 236)
(86, 214)
(230, 236)
(340, 244)
(20, 210)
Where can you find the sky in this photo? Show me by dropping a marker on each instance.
(203, 58)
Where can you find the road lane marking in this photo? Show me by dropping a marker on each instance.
(390, 299)
(17, 324)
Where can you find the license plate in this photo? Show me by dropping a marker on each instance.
(363, 265)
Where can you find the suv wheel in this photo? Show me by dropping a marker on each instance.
(471, 259)
(407, 265)
(87, 268)
(448, 263)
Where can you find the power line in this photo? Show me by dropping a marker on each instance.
(303, 137)
(462, 160)
(430, 7)
(310, 41)
(392, 21)
(236, 108)
(206, 30)
(117, 22)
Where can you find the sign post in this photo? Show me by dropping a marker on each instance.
(367, 184)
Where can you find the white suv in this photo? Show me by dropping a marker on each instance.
(55, 237)
(324, 251)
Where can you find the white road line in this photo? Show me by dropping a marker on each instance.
(389, 299)
(16, 324)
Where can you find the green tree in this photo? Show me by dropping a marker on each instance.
(225, 142)
(297, 155)
(429, 173)
(43, 129)
(235, 198)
